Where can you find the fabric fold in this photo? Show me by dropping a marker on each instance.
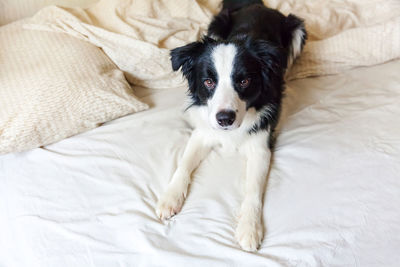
(137, 35)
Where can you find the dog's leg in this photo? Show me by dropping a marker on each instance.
(172, 200)
(249, 231)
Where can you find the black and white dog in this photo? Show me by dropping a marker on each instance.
(236, 81)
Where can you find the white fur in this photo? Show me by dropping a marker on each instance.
(207, 135)
(296, 46)
(225, 97)
(249, 230)
(172, 200)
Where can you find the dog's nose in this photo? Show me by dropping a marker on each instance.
(226, 117)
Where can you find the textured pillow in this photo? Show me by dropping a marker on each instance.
(53, 86)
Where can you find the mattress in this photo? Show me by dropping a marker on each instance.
(332, 197)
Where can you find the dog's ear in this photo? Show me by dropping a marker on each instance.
(185, 57)
(294, 36)
(271, 58)
(273, 64)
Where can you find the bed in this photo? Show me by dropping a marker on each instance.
(332, 197)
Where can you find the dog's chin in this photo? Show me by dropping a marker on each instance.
(225, 128)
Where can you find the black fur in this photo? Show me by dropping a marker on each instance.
(234, 5)
(263, 38)
(194, 60)
(293, 23)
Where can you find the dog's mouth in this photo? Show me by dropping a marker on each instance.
(226, 128)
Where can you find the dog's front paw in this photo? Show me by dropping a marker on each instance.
(170, 204)
(249, 234)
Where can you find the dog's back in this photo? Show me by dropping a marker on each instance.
(250, 18)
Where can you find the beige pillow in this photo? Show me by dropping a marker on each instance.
(53, 86)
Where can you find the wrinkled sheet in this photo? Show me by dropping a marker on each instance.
(332, 198)
(137, 35)
(11, 10)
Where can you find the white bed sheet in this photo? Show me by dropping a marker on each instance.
(332, 198)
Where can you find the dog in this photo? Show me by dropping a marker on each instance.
(235, 76)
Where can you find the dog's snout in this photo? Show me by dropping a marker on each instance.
(226, 117)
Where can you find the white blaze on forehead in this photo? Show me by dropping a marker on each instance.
(225, 96)
(223, 57)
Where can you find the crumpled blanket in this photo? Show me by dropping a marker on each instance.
(138, 34)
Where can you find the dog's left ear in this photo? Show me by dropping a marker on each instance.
(272, 60)
(294, 37)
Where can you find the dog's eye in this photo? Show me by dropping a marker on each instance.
(210, 84)
(245, 83)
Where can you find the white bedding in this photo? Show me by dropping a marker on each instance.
(12, 10)
(332, 198)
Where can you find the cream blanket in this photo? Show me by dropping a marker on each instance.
(138, 34)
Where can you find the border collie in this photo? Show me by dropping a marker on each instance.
(236, 81)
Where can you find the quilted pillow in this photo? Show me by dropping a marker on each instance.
(53, 86)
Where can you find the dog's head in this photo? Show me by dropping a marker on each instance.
(231, 77)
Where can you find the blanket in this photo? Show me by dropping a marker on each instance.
(138, 34)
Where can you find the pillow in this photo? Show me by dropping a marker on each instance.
(53, 86)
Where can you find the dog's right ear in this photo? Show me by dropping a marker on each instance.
(185, 57)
